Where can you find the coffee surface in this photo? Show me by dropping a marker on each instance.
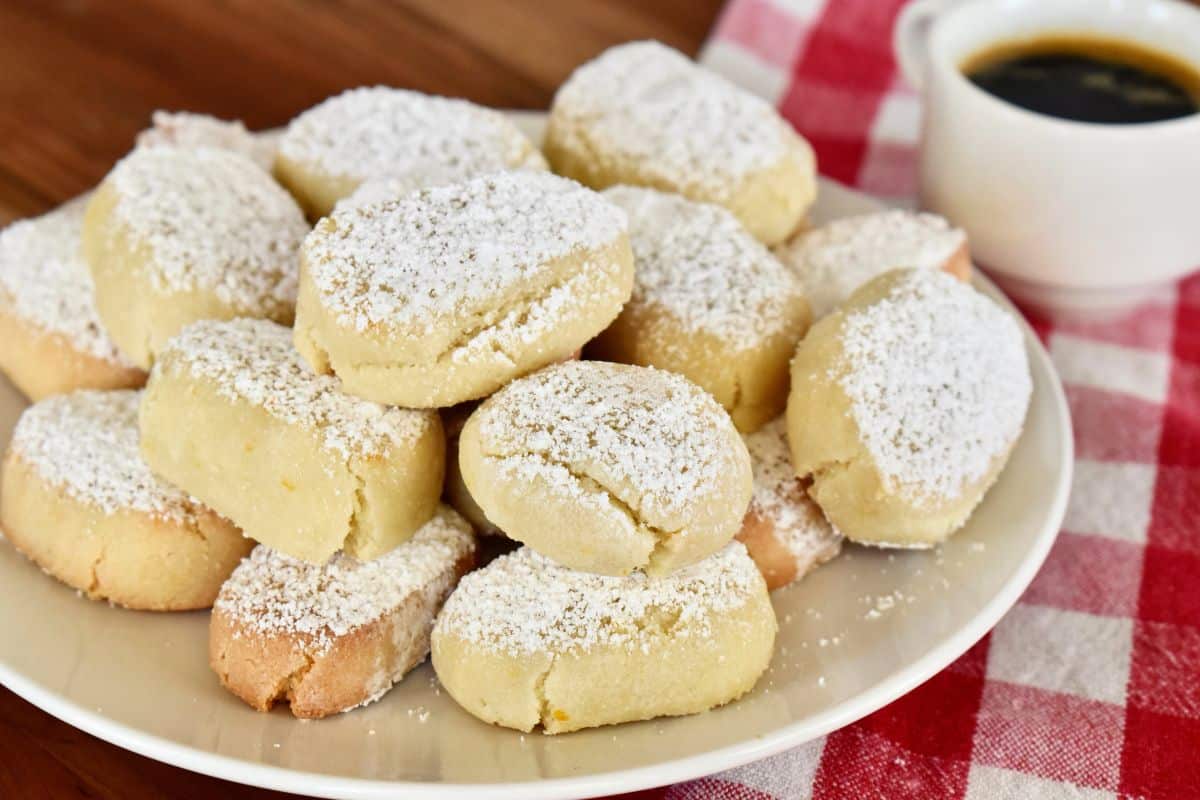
(1089, 79)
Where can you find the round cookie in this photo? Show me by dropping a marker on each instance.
(784, 531)
(526, 642)
(51, 337)
(379, 132)
(449, 293)
(608, 468)
(185, 129)
(330, 638)
(80, 502)
(644, 114)
(905, 404)
(233, 415)
(709, 302)
(835, 259)
(174, 235)
(455, 492)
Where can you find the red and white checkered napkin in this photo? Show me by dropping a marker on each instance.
(1090, 686)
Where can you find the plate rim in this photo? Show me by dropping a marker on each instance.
(616, 781)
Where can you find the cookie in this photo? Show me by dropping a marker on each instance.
(51, 337)
(234, 416)
(709, 302)
(644, 114)
(379, 132)
(80, 502)
(185, 129)
(330, 638)
(835, 259)
(175, 234)
(447, 294)
(905, 404)
(784, 531)
(608, 468)
(525, 642)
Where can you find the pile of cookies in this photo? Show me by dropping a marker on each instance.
(292, 378)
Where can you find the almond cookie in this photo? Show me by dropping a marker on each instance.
(644, 114)
(905, 404)
(785, 532)
(709, 302)
(379, 132)
(330, 638)
(525, 642)
(80, 502)
(607, 467)
(185, 129)
(178, 234)
(234, 416)
(835, 259)
(51, 337)
(449, 293)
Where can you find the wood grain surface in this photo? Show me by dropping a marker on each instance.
(79, 79)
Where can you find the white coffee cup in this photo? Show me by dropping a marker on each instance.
(1070, 216)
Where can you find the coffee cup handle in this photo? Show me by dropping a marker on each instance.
(910, 37)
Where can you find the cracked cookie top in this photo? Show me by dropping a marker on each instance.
(274, 594)
(696, 262)
(524, 603)
(86, 444)
(47, 284)
(378, 131)
(655, 441)
(684, 125)
(211, 220)
(253, 361)
(455, 253)
(835, 259)
(938, 382)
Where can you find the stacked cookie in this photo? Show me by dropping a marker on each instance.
(319, 391)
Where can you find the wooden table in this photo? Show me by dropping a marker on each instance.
(79, 79)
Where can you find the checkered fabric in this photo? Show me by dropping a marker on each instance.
(1090, 686)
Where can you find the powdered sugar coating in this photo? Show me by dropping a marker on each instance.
(374, 132)
(47, 284)
(418, 263)
(211, 220)
(652, 438)
(835, 259)
(86, 443)
(938, 383)
(686, 127)
(273, 594)
(253, 361)
(523, 604)
(780, 497)
(696, 262)
(185, 129)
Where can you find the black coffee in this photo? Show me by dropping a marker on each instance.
(1089, 79)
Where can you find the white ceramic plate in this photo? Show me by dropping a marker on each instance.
(855, 635)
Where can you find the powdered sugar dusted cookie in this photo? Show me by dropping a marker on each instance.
(709, 302)
(644, 114)
(607, 467)
(233, 415)
(905, 404)
(835, 259)
(785, 532)
(82, 504)
(178, 234)
(525, 642)
(185, 129)
(415, 139)
(449, 293)
(330, 638)
(51, 337)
